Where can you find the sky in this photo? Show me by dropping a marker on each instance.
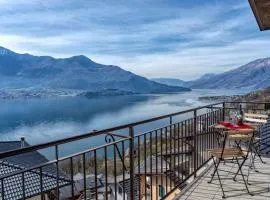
(154, 38)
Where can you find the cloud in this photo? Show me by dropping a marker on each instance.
(145, 37)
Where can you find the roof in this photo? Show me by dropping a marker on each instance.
(27, 159)
(13, 186)
(261, 10)
(158, 166)
(126, 186)
(90, 185)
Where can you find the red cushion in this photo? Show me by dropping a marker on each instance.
(229, 125)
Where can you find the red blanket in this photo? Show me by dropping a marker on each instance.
(235, 126)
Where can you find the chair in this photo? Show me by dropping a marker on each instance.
(230, 153)
(256, 120)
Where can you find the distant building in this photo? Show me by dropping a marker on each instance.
(158, 174)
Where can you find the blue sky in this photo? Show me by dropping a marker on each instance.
(154, 38)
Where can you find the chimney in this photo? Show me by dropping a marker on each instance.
(22, 142)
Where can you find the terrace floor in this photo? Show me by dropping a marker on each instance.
(260, 184)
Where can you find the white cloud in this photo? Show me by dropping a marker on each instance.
(150, 38)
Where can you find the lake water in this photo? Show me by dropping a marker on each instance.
(42, 120)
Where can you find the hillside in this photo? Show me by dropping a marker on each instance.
(254, 75)
(255, 96)
(170, 81)
(258, 96)
(76, 73)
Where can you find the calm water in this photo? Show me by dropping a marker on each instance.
(41, 120)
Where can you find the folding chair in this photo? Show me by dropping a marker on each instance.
(228, 153)
(256, 120)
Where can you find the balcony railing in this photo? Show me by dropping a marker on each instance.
(129, 165)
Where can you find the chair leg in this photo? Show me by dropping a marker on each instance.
(253, 162)
(215, 170)
(240, 170)
(223, 193)
(234, 178)
(250, 167)
(259, 155)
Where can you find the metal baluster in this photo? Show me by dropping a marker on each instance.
(200, 140)
(195, 142)
(57, 171)
(106, 173)
(123, 168)
(161, 158)
(95, 166)
(178, 149)
(84, 176)
(156, 163)
(182, 148)
(171, 170)
(114, 172)
(145, 167)
(72, 174)
(186, 132)
(131, 146)
(223, 111)
(151, 182)
(139, 163)
(176, 154)
(166, 146)
(41, 183)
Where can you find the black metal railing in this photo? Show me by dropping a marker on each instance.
(151, 165)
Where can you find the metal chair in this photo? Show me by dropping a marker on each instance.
(229, 153)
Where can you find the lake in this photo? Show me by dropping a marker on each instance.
(42, 120)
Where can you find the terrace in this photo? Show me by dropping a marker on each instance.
(169, 161)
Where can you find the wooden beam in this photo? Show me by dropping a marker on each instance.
(261, 11)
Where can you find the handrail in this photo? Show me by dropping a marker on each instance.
(249, 102)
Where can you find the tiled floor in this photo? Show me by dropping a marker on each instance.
(259, 184)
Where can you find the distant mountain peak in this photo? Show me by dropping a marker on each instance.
(77, 72)
(253, 75)
(4, 51)
(207, 76)
(260, 60)
(80, 57)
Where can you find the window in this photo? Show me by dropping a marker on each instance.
(120, 190)
(161, 191)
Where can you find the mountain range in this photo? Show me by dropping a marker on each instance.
(254, 75)
(170, 81)
(75, 73)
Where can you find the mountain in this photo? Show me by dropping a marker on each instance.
(254, 75)
(77, 72)
(170, 81)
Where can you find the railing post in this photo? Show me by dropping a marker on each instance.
(131, 161)
(223, 111)
(57, 172)
(170, 120)
(195, 142)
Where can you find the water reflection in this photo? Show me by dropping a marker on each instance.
(41, 120)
